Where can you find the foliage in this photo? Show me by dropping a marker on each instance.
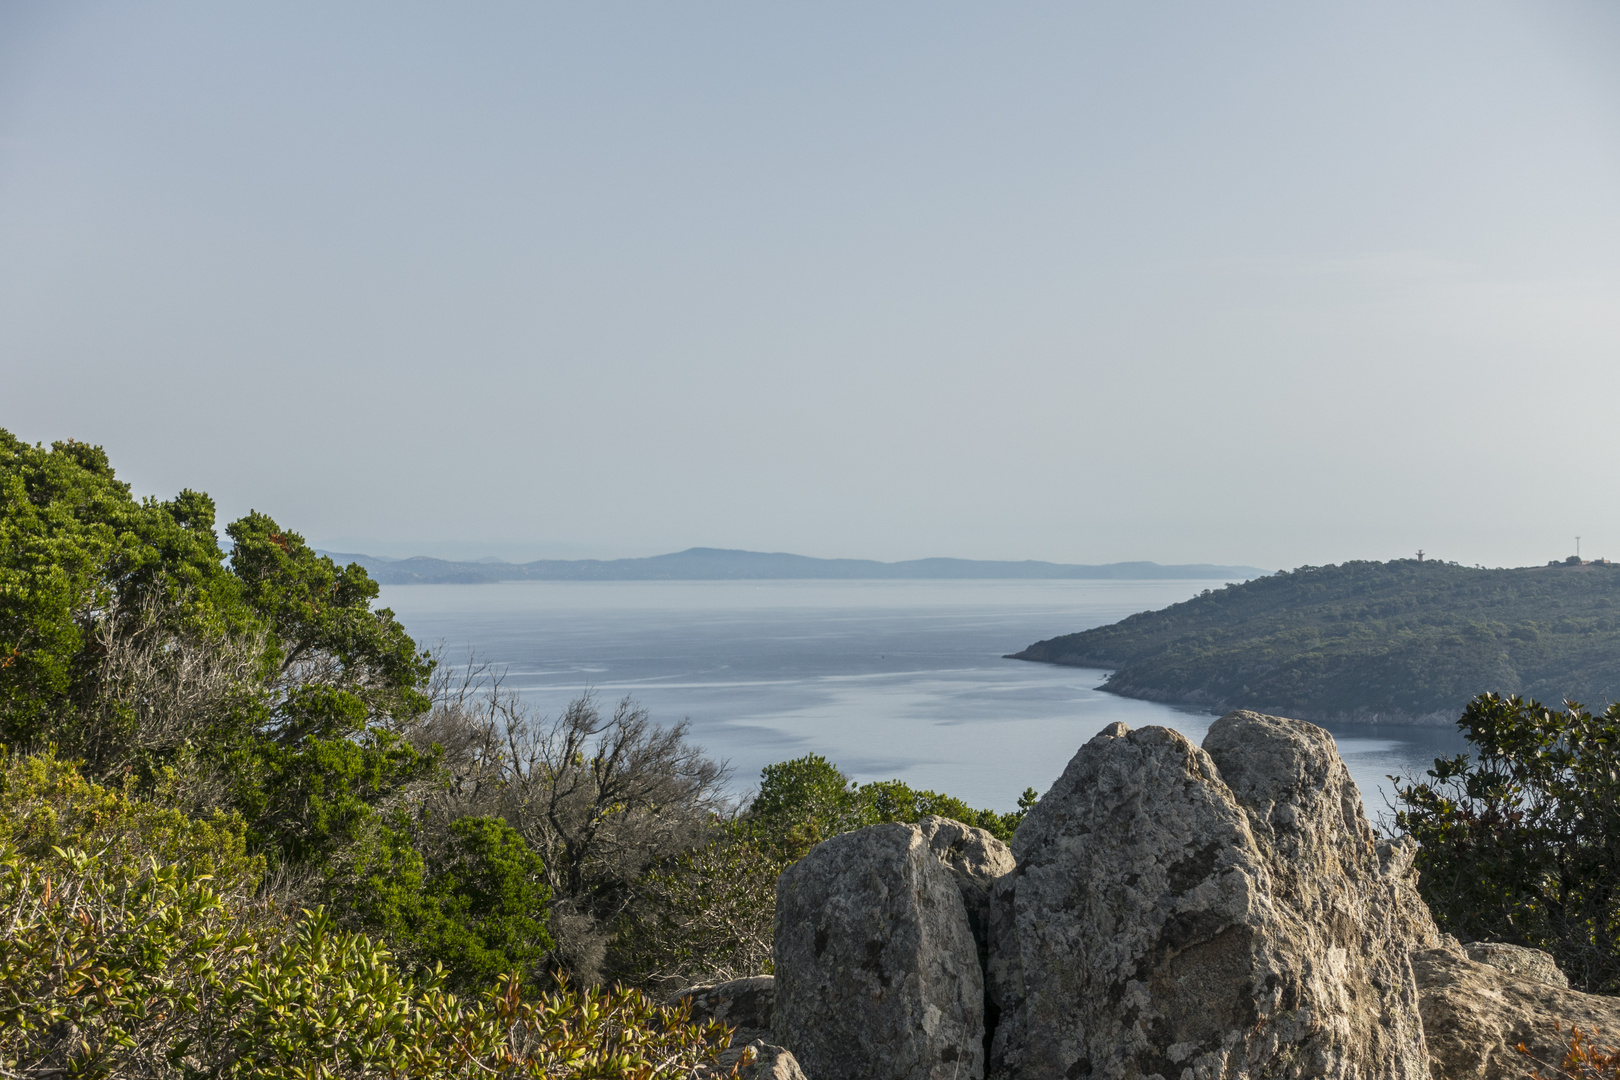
(479, 911)
(265, 684)
(804, 801)
(1521, 841)
(114, 970)
(800, 803)
(704, 916)
(1393, 641)
(108, 967)
(45, 805)
(600, 799)
(328, 1004)
(1584, 1059)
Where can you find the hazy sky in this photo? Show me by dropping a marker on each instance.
(1261, 283)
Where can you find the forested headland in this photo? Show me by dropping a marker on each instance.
(1400, 641)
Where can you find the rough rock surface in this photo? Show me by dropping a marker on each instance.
(1190, 914)
(876, 968)
(1480, 1004)
(771, 1063)
(977, 860)
(743, 1004)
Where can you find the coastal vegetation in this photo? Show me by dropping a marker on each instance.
(1519, 841)
(1400, 641)
(248, 827)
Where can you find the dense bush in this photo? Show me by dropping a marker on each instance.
(247, 734)
(120, 959)
(1520, 841)
(804, 801)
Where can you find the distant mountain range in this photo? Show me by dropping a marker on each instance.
(719, 564)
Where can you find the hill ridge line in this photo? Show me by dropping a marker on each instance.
(735, 564)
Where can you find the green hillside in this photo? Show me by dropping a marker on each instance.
(1402, 641)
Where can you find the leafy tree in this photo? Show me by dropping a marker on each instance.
(1520, 841)
(76, 550)
(801, 803)
(265, 684)
(807, 800)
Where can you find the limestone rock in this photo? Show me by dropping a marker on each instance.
(1526, 965)
(771, 1063)
(977, 861)
(743, 1004)
(876, 969)
(1190, 914)
(1352, 910)
(1477, 1011)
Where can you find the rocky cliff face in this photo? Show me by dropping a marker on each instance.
(1217, 910)
(1166, 911)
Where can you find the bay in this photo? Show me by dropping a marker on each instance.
(888, 679)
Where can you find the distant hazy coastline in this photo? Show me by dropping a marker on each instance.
(720, 564)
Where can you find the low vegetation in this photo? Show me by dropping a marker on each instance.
(248, 827)
(1395, 641)
(1520, 840)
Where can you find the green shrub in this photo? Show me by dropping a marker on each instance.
(114, 970)
(109, 967)
(45, 805)
(1521, 841)
(804, 801)
(479, 911)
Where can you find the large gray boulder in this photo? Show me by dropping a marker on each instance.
(977, 861)
(876, 969)
(1166, 920)
(1480, 1003)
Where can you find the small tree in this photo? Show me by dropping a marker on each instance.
(1520, 842)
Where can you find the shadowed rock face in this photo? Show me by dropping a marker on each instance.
(1183, 913)
(877, 973)
(745, 1005)
(977, 861)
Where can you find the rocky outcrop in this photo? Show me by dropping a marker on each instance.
(745, 1005)
(1166, 912)
(1189, 914)
(977, 861)
(1480, 1002)
(876, 967)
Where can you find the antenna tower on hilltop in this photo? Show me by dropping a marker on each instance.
(1577, 547)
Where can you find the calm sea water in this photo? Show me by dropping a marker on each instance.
(889, 679)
